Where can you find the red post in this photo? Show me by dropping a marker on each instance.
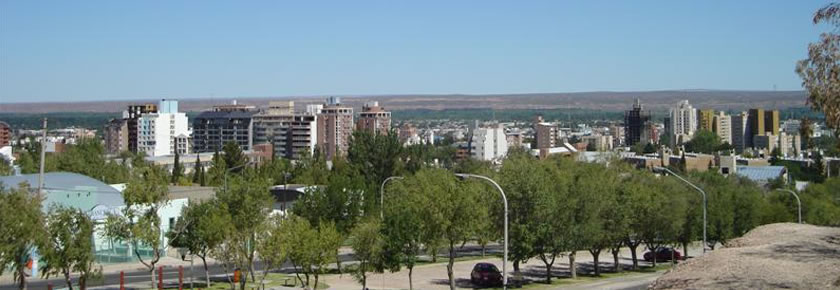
(180, 277)
(49, 286)
(160, 277)
(122, 280)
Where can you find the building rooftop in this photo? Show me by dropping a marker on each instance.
(760, 174)
(225, 114)
(70, 189)
(193, 193)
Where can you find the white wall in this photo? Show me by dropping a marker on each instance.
(489, 143)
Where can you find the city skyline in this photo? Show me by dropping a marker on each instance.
(65, 51)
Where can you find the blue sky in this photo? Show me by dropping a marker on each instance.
(106, 50)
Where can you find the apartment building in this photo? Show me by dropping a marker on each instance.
(683, 122)
(374, 119)
(289, 133)
(489, 144)
(335, 127)
(722, 126)
(223, 124)
(739, 132)
(133, 116)
(156, 132)
(5, 134)
(116, 136)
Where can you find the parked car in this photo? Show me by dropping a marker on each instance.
(486, 274)
(663, 254)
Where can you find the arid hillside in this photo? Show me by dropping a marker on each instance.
(608, 101)
(774, 256)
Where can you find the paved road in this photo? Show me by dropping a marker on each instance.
(629, 282)
(139, 277)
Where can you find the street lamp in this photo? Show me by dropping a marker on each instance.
(701, 192)
(230, 169)
(504, 199)
(382, 196)
(798, 202)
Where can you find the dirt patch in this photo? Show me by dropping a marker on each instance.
(774, 256)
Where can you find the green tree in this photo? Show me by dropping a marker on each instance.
(819, 70)
(197, 171)
(553, 212)
(821, 203)
(271, 249)
(177, 169)
(368, 244)
(311, 169)
(313, 247)
(637, 192)
(234, 158)
(139, 225)
(375, 155)
(69, 245)
(454, 217)
(806, 129)
(202, 227)
(249, 203)
(527, 185)
(662, 227)
(5, 167)
(403, 228)
(597, 200)
(21, 230)
(341, 201)
(217, 171)
(649, 148)
(704, 141)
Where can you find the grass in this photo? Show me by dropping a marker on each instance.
(583, 278)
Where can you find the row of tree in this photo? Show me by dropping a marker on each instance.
(557, 207)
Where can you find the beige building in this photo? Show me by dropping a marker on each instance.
(375, 119)
(723, 127)
(289, 133)
(789, 145)
(706, 120)
(335, 127)
(600, 142)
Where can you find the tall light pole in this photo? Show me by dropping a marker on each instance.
(382, 195)
(504, 199)
(701, 192)
(230, 169)
(798, 202)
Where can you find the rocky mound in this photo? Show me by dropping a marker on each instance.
(784, 255)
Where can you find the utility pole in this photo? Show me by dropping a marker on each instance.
(43, 155)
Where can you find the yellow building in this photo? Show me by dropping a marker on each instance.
(706, 118)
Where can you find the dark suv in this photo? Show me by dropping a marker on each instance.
(663, 254)
(486, 274)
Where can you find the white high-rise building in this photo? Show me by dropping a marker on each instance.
(489, 144)
(683, 122)
(157, 132)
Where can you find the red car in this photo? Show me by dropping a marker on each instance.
(663, 254)
(486, 274)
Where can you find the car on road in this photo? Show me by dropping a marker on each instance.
(486, 274)
(663, 254)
